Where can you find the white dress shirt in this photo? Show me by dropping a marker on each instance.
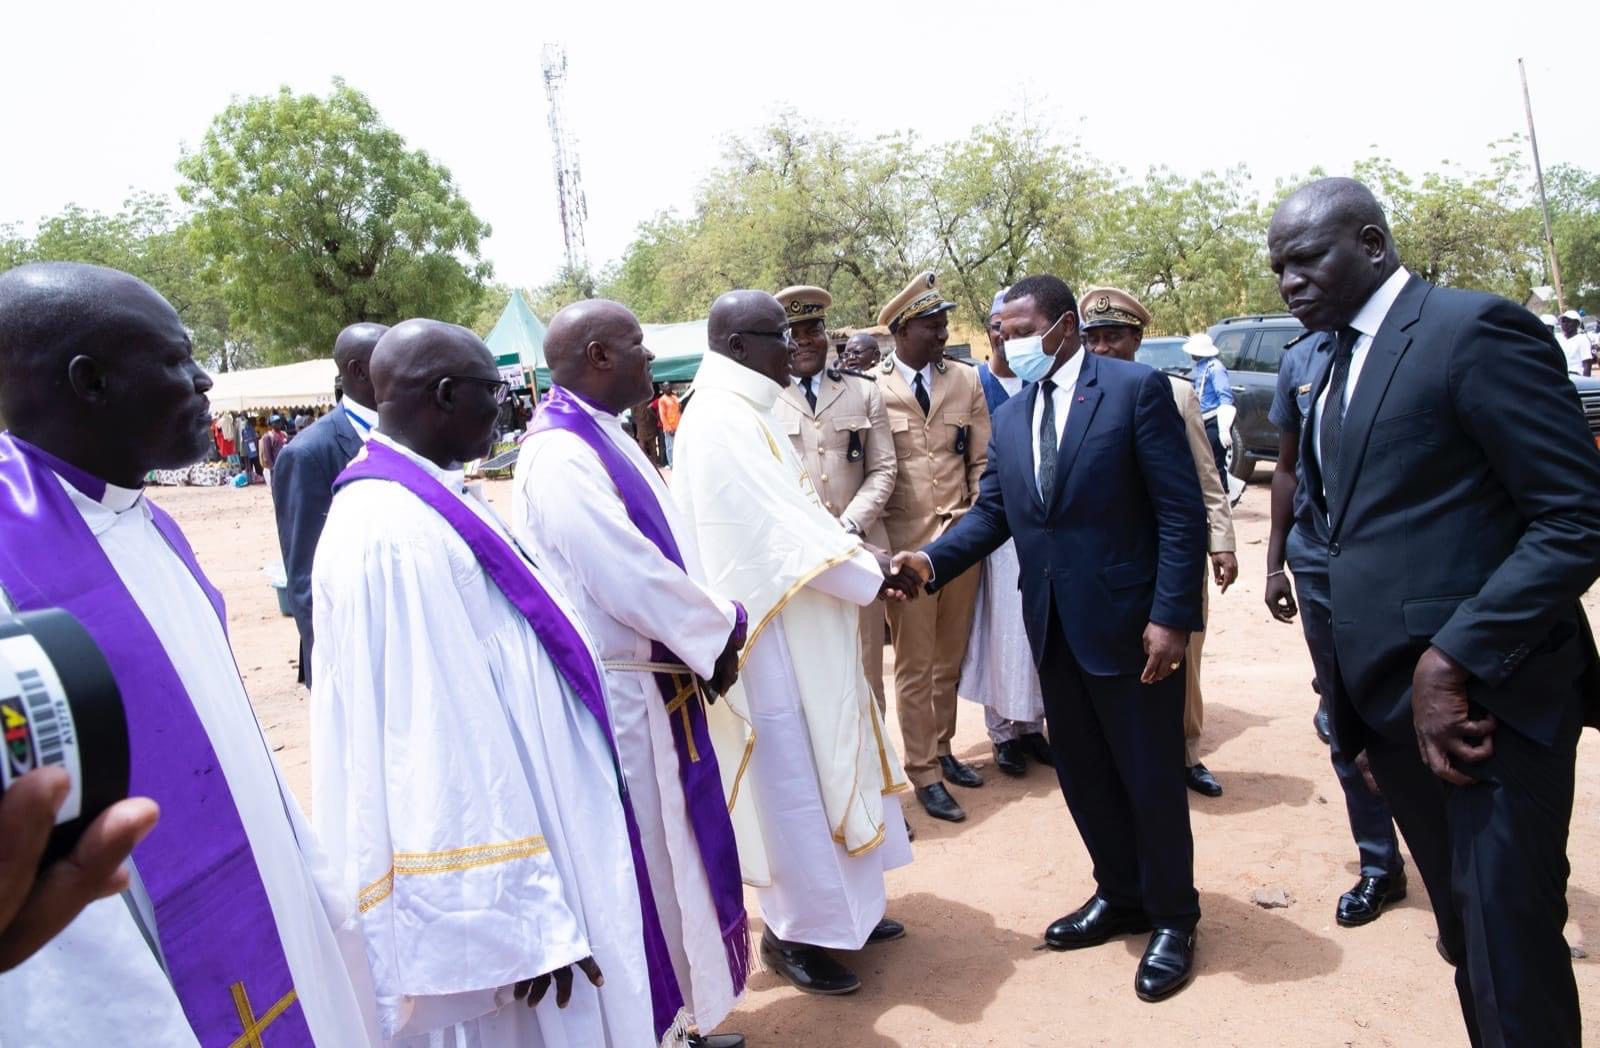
(910, 375)
(1066, 383)
(362, 418)
(1577, 350)
(1367, 321)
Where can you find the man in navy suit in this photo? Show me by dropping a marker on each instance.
(1089, 471)
(302, 479)
(1449, 456)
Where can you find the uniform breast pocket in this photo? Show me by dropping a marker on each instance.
(791, 425)
(958, 431)
(905, 441)
(849, 436)
(1414, 427)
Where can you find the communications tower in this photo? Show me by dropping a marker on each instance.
(569, 188)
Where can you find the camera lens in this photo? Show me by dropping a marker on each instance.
(59, 705)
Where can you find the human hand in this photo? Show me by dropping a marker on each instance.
(1225, 569)
(1280, 597)
(725, 673)
(534, 989)
(1163, 649)
(1442, 720)
(1364, 766)
(912, 571)
(36, 904)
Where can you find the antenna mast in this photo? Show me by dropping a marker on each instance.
(569, 188)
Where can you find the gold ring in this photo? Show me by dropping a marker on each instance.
(1174, 666)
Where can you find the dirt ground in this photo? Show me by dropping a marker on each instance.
(971, 971)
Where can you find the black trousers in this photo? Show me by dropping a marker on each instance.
(1494, 858)
(1118, 746)
(1220, 453)
(1370, 822)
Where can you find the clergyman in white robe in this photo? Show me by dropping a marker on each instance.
(101, 981)
(802, 748)
(572, 519)
(469, 799)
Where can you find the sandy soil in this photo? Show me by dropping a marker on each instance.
(976, 900)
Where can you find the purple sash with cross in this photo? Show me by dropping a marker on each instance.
(697, 761)
(214, 922)
(573, 660)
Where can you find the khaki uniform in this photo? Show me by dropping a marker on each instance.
(1219, 527)
(845, 447)
(939, 458)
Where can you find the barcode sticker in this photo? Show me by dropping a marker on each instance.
(36, 726)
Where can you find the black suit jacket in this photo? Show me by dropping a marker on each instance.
(302, 491)
(1468, 515)
(1122, 542)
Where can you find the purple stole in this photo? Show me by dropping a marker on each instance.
(218, 936)
(697, 761)
(572, 658)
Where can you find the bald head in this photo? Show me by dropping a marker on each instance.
(861, 351)
(751, 328)
(91, 356)
(352, 355)
(596, 349)
(437, 390)
(1331, 248)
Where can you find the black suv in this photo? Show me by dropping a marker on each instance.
(1251, 347)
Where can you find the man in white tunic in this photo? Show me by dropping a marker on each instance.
(804, 754)
(462, 768)
(634, 576)
(222, 937)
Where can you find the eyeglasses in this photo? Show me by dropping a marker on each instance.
(784, 334)
(501, 389)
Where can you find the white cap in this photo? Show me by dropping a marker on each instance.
(1571, 314)
(1549, 319)
(1200, 346)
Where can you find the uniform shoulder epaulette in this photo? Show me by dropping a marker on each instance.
(969, 362)
(837, 373)
(1297, 340)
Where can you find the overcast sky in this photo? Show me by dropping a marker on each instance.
(98, 97)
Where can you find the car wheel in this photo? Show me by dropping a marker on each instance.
(1240, 463)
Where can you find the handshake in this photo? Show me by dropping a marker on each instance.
(905, 576)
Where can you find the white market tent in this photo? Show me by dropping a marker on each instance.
(306, 384)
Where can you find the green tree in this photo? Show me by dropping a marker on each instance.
(313, 214)
(1574, 196)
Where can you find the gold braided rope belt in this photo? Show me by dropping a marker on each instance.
(684, 680)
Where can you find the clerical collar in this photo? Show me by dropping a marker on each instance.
(454, 479)
(116, 499)
(363, 418)
(718, 372)
(588, 405)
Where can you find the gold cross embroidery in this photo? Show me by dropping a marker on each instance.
(680, 706)
(254, 1027)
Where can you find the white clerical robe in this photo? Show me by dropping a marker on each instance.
(628, 593)
(468, 799)
(998, 669)
(99, 982)
(803, 752)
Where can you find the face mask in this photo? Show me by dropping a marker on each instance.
(1027, 358)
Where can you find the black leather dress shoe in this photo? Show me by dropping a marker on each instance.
(1167, 964)
(1320, 722)
(1093, 923)
(810, 968)
(1038, 748)
(936, 801)
(1364, 903)
(717, 1040)
(958, 773)
(1201, 780)
(1009, 758)
(888, 930)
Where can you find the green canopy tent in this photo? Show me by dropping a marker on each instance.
(517, 340)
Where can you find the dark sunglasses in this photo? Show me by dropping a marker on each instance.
(500, 387)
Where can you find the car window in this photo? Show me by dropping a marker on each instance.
(1163, 353)
(1230, 346)
(1268, 353)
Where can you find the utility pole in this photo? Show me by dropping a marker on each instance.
(569, 187)
(1544, 205)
